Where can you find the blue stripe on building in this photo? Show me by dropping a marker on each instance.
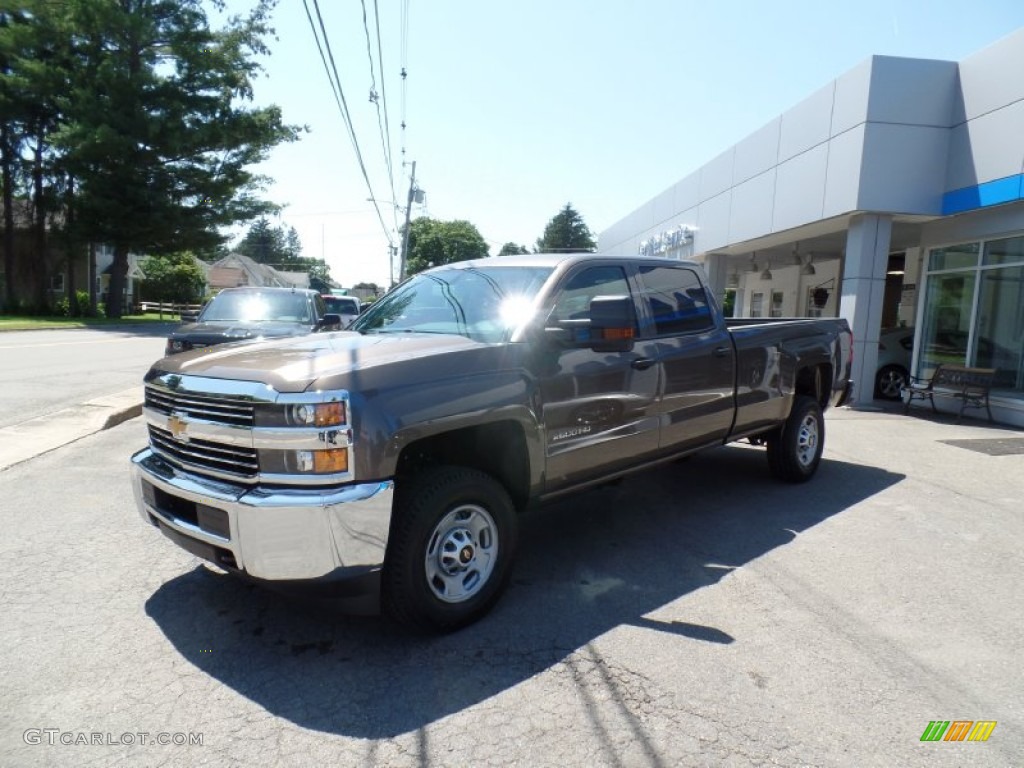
(996, 192)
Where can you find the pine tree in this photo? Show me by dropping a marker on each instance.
(566, 233)
(154, 133)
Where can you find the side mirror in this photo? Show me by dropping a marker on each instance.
(610, 326)
(328, 320)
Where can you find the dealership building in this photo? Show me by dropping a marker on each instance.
(893, 196)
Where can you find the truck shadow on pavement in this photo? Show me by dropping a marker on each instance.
(599, 561)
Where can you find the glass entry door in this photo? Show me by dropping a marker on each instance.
(947, 320)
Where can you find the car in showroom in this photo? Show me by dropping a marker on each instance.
(251, 313)
(895, 347)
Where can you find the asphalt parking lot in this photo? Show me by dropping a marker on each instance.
(701, 614)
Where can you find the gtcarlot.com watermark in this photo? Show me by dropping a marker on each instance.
(56, 736)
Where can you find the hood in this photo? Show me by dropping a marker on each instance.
(292, 365)
(237, 330)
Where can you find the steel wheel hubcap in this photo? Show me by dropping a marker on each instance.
(461, 553)
(807, 440)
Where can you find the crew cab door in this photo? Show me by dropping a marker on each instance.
(597, 405)
(695, 353)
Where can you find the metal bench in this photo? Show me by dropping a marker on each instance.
(970, 386)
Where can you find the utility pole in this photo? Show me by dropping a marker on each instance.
(405, 235)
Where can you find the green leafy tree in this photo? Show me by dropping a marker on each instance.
(512, 249)
(566, 233)
(433, 242)
(174, 277)
(367, 287)
(155, 132)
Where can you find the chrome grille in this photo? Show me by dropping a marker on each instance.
(206, 457)
(214, 409)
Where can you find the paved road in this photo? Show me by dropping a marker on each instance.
(45, 371)
(697, 615)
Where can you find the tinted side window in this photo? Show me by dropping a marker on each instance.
(574, 300)
(321, 308)
(677, 300)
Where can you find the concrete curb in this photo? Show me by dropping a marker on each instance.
(21, 442)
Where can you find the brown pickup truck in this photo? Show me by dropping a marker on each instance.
(391, 462)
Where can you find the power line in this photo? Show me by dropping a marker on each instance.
(339, 97)
(405, 67)
(385, 136)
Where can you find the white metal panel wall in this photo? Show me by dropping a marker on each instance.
(687, 192)
(808, 124)
(800, 189)
(912, 92)
(716, 176)
(713, 220)
(987, 148)
(757, 153)
(988, 138)
(842, 181)
(850, 107)
(991, 78)
(903, 169)
(750, 215)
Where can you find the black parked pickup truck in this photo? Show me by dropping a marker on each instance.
(250, 312)
(392, 461)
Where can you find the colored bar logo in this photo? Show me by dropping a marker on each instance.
(958, 730)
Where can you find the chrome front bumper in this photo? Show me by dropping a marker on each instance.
(273, 534)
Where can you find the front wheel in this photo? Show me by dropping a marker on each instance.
(890, 381)
(450, 550)
(794, 450)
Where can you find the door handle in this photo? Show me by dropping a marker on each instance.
(721, 351)
(642, 363)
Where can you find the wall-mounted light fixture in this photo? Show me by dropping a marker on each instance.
(808, 268)
(767, 274)
(753, 264)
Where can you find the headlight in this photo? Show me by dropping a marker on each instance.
(302, 415)
(316, 414)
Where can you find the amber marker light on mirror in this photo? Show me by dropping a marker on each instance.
(617, 334)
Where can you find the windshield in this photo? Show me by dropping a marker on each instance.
(282, 307)
(341, 305)
(484, 304)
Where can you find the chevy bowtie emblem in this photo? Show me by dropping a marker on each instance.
(178, 427)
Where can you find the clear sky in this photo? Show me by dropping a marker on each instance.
(514, 109)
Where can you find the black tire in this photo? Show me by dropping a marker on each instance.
(889, 382)
(794, 450)
(451, 548)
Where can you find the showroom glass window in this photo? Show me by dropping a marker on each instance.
(974, 309)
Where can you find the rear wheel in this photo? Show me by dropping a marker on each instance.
(450, 550)
(794, 450)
